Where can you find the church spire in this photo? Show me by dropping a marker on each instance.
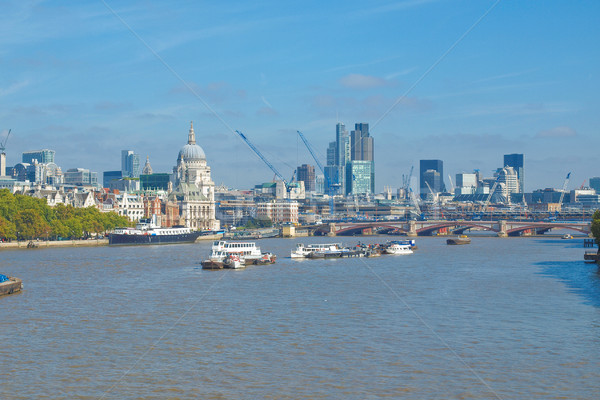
(147, 168)
(191, 135)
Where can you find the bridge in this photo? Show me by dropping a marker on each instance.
(433, 227)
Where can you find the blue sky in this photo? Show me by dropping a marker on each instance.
(88, 83)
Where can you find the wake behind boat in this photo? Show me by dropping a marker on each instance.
(148, 232)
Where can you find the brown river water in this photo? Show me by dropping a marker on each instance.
(513, 318)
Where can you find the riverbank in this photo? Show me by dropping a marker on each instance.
(39, 244)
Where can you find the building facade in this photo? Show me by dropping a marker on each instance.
(130, 164)
(193, 188)
(437, 186)
(516, 162)
(306, 174)
(43, 156)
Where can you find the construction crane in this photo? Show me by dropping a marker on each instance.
(415, 202)
(451, 183)
(435, 197)
(3, 144)
(406, 183)
(259, 154)
(314, 156)
(492, 190)
(562, 194)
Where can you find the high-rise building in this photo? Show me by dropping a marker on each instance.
(516, 161)
(437, 185)
(360, 177)
(109, 177)
(306, 174)
(130, 164)
(595, 184)
(43, 156)
(508, 182)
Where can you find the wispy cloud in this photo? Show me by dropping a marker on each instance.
(359, 81)
(15, 87)
(557, 132)
(392, 7)
(506, 76)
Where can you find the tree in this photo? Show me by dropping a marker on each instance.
(30, 224)
(7, 229)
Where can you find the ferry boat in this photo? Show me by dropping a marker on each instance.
(248, 251)
(148, 232)
(397, 249)
(302, 251)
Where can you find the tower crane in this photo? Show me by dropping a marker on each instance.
(436, 197)
(407, 181)
(314, 156)
(259, 154)
(562, 195)
(492, 190)
(415, 202)
(3, 144)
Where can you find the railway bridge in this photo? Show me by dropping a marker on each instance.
(432, 227)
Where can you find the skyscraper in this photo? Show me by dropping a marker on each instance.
(44, 156)
(516, 161)
(437, 184)
(360, 177)
(306, 174)
(130, 164)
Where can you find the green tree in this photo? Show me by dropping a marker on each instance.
(30, 224)
(7, 229)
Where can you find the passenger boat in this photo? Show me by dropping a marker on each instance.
(148, 232)
(247, 251)
(9, 285)
(397, 249)
(302, 251)
(462, 239)
(234, 261)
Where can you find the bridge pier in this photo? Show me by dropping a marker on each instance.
(502, 229)
(412, 229)
(331, 230)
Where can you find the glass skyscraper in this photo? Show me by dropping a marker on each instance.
(130, 164)
(516, 161)
(436, 181)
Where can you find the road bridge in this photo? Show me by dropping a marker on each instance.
(433, 227)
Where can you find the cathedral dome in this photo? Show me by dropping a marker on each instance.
(191, 151)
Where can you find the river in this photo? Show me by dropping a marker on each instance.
(512, 318)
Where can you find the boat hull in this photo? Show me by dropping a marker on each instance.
(458, 241)
(12, 285)
(124, 239)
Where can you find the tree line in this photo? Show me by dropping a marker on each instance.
(24, 218)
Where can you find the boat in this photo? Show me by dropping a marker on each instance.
(462, 239)
(302, 251)
(212, 264)
(567, 236)
(148, 232)
(336, 253)
(9, 285)
(234, 261)
(248, 251)
(410, 242)
(396, 249)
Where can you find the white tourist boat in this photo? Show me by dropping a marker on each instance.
(234, 261)
(302, 251)
(397, 249)
(247, 251)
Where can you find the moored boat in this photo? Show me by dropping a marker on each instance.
(148, 232)
(234, 261)
(462, 239)
(567, 236)
(397, 249)
(9, 285)
(305, 251)
(246, 251)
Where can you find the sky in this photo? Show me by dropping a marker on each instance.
(461, 81)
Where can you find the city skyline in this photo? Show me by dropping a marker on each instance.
(87, 83)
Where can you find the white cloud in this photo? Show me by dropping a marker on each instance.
(559, 131)
(13, 88)
(358, 81)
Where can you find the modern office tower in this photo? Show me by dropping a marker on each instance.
(516, 161)
(595, 184)
(154, 182)
(359, 177)
(508, 181)
(306, 174)
(109, 177)
(433, 179)
(130, 164)
(437, 185)
(80, 176)
(465, 183)
(44, 156)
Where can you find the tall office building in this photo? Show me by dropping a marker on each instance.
(306, 174)
(595, 184)
(516, 161)
(130, 164)
(360, 177)
(436, 183)
(44, 156)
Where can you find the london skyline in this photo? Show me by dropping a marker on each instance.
(92, 79)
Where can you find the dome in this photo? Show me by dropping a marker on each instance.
(191, 151)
